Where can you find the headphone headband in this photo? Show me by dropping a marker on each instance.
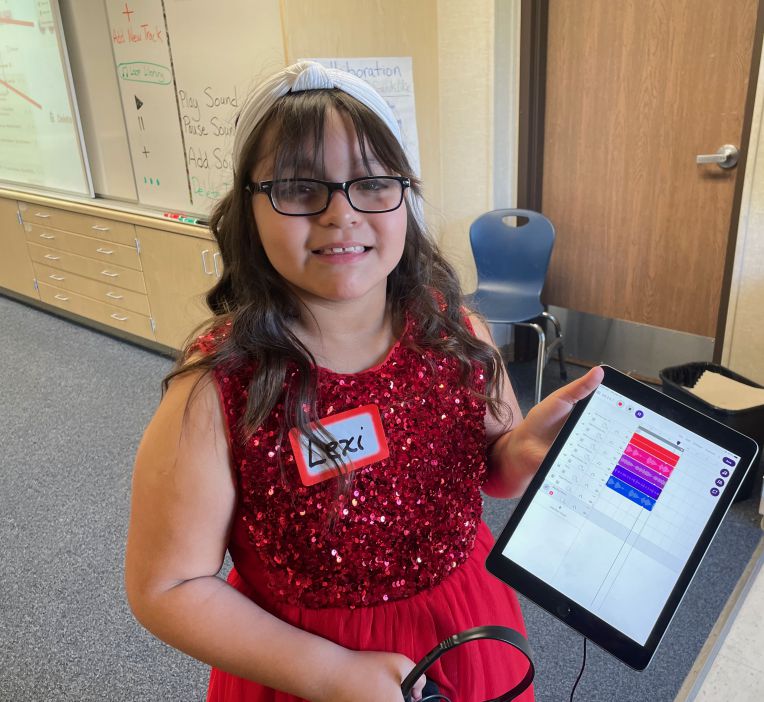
(498, 633)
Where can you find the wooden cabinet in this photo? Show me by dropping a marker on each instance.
(146, 278)
(16, 272)
(88, 265)
(179, 270)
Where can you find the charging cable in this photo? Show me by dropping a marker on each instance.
(583, 665)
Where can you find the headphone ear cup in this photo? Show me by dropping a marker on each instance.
(431, 693)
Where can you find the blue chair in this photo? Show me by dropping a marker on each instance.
(512, 262)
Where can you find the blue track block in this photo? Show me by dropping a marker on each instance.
(630, 493)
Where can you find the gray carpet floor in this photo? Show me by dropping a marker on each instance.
(73, 405)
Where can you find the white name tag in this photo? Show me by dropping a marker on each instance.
(359, 439)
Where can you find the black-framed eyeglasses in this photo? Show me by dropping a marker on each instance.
(299, 197)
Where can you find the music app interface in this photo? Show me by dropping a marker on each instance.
(621, 510)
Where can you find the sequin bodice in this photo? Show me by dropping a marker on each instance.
(406, 521)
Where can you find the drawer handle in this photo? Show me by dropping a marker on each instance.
(114, 296)
(51, 257)
(42, 215)
(205, 268)
(59, 278)
(100, 229)
(109, 252)
(110, 274)
(119, 317)
(47, 236)
(215, 257)
(63, 298)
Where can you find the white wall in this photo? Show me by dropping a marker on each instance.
(744, 339)
(478, 119)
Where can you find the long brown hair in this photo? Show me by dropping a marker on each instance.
(256, 304)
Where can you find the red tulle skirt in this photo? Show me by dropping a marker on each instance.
(469, 597)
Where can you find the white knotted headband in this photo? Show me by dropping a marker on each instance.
(309, 75)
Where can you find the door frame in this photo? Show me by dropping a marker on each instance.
(534, 22)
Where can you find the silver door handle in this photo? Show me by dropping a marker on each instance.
(100, 228)
(51, 257)
(215, 257)
(110, 274)
(42, 215)
(61, 297)
(105, 251)
(47, 236)
(725, 157)
(59, 278)
(114, 296)
(118, 317)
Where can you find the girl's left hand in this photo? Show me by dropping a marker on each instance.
(520, 456)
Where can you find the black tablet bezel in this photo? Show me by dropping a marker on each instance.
(634, 654)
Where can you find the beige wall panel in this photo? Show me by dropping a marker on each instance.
(336, 29)
(744, 337)
(466, 71)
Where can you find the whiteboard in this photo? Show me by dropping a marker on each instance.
(183, 67)
(147, 89)
(220, 52)
(40, 134)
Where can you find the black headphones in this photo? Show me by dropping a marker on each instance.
(498, 633)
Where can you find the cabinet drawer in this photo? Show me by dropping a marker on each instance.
(45, 236)
(116, 317)
(101, 227)
(105, 251)
(63, 260)
(112, 295)
(99, 249)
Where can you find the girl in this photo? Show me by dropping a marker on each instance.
(332, 429)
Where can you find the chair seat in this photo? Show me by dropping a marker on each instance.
(500, 308)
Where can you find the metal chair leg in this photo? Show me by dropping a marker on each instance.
(541, 356)
(558, 331)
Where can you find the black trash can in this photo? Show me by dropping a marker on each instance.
(748, 421)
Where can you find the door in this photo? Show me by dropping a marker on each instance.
(635, 91)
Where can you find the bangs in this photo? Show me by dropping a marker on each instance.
(295, 136)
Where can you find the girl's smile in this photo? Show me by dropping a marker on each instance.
(346, 252)
(342, 250)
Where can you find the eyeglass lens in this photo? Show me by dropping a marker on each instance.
(306, 196)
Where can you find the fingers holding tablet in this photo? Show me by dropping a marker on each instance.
(583, 387)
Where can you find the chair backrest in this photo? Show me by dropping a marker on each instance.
(512, 257)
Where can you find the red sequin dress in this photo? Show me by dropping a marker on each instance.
(401, 566)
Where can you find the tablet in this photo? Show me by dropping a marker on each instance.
(612, 528)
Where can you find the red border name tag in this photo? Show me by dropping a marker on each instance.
(359, 440)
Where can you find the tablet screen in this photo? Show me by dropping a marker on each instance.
(617, 516)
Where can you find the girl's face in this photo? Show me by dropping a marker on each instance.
(303, 250)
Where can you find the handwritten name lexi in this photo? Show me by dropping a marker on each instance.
(334, 450)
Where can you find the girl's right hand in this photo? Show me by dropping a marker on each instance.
(373, 676)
